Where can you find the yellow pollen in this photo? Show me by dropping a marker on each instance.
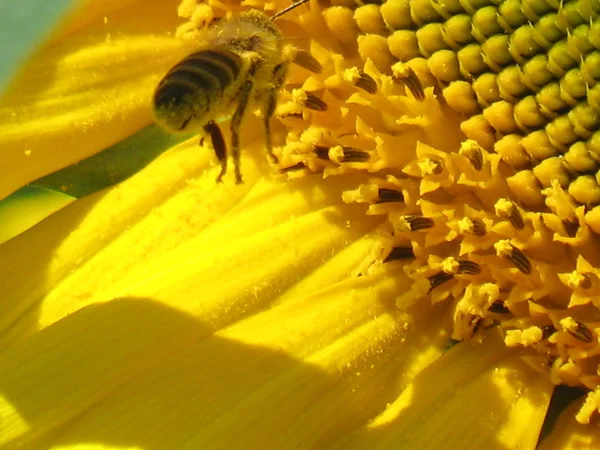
(526, 337)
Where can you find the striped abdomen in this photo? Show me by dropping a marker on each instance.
(192, 92)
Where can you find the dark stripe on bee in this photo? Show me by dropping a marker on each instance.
(399, 253)
(439, 279)
(547, 331)
(205, 71)
(417, 223)
(498, 307)
(389, 196)
(571, 226)
(366, 83)
(521, 262)
(468, 267)
(175, 92)
(224, 66)
(582, 333)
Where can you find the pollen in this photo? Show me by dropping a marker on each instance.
(475, 127)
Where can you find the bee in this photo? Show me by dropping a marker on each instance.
(241, 62)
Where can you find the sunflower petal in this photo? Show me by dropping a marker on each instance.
(475, 397)
(129, 241)
(295, 376)
(80, 95)
(568, 434)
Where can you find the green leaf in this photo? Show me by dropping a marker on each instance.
(26, 207)
(112, 165)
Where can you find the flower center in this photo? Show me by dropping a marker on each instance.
(476, 127)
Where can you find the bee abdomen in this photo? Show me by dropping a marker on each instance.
(197, 83)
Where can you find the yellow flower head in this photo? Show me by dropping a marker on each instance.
(435, 183)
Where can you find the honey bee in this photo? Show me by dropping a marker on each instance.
(241, 62)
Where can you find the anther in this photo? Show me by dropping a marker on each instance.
(466, 225)
(571, 226)
(547, 331)
(299, 166)
(409, 78)
(347, 154)
(582, 333)
(439, 279)
(389, 196)
(366, 83)
(468, 267)
(508, 210)
(351, 154)
(313, 102)
(472, 151)
(416, 223)
(513, 254)
(399, 253)
(498, 307)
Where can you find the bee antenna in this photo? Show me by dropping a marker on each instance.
(288, 9)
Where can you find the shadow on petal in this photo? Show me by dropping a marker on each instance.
(134, 373)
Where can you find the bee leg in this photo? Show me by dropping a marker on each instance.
(218, 143)
(279, 73)
(236, 121)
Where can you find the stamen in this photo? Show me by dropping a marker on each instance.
(406, 76)
(472, 150)
(498, 307)
(468, 267)
(580, 280)
(577, 329)
(366, 83)
(416, 223)
(508, 210)
(547, 331)
(513, 254)
(389, 196)
(571, 226)
(399, 253)
(295, 167)
(439, 279)
(351, 154)
(343, 154)
(313, 102)
(472, 226)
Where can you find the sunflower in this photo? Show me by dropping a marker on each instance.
(418, 271)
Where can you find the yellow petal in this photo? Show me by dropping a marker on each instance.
(295, 376)
(168, 233)
(80, 95)
(568, 434)
(473, 397)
